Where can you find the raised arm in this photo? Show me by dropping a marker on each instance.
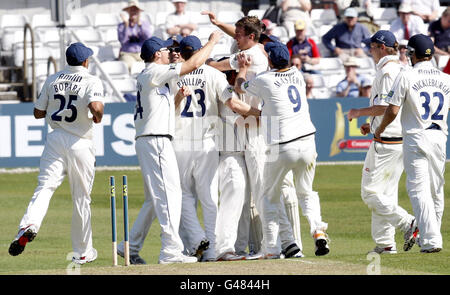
(228, 29)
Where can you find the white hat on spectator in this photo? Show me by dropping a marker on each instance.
(351, 12)
(132, 3)
(175, 1)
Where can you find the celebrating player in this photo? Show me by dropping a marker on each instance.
(293, 143)
(154, 123)
(71, 101)
(423, 93)
(385, 154)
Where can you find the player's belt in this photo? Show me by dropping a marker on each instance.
(389, 140)
(297, 138)
(434, 126)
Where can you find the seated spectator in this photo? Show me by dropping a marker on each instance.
(427, 10)
(294, 10)
(406, 24)
(296, 61)
(305, 47)
(309, 81)
(269, 26)
(366, 88)
(363, 7)
(180, 21)
(132, 33)
(439, 31)
(348, 36)
(349, 87)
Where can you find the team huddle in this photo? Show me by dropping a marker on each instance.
(235, 136)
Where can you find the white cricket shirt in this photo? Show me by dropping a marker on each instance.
(65, 97)
(424, 93)
(155, 108)
(285, 105)
(197, 116)
(388, 68)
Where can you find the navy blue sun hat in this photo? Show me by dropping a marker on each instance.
(153, 45)
(76, 53)
(278, 53)
(190, 41)
(270, 38)
(422, 45)
(382, 37)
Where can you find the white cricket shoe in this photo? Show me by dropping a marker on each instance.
(230, 256)
(87, 258)
(384, 250)
(179, 259)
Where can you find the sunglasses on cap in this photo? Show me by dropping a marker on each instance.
(174, 49)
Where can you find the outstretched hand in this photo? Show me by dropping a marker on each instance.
(215, 36)
(212, 16)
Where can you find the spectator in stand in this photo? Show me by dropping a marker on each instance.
(366, 88)
(427, 10)
(305, 47)
(439, 31)
(296, 61)
(309, 81)
(180, 22)
(269, 26)
(348, 36)
(349, 87)
(293, 10)
(132, 33)
(406, 24)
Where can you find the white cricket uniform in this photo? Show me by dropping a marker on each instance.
(154, 122)
(385, 157)
(197, 123)
(69, 150)
(234, 188)
(424, 94)
(292, 141)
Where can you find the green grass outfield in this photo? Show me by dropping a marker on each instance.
(342, 207)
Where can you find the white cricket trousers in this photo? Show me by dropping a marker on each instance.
(300, 157)
(424, 159)
(198, 163)
(233, 189)
(65, 153)
(381, 173)
(162, 195)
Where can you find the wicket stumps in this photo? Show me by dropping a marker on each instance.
(125, 220)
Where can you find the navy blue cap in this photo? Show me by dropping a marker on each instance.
(190, 41)
(270, 38)
(382, 37)
(423, 45)
(76, 53)
(278, 53)
(153, 45)
(176, 38)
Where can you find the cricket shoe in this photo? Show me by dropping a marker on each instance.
(321, 242)
(135, 259)
(230, 256)
(291, 251)
(202, 247)
(254, 256)
(25, 235)
(411, 235)
(384, 250)
(270, 256)
(179, 259)
(432, 250)
(86, 258)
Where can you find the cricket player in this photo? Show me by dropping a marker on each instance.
(423, 93)
(293, 142)
(71, 101)
(155, 124)
(385, 155)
